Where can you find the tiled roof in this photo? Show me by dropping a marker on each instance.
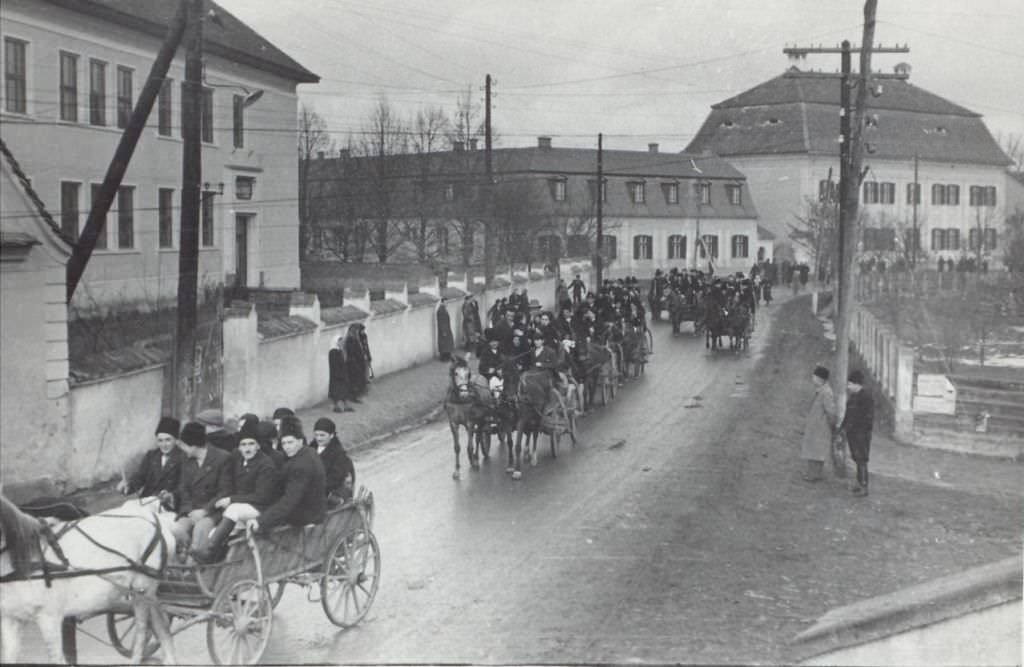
(452, 293)
(341, 315)
(386, 306)
(276, 327)
(224, 36)
(422, 300)
(99, 365)
(800, 116)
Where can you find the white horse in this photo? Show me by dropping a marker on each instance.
(93, 565)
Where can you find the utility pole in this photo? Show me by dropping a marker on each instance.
(851, 159)
(915, 241)
(191, 184)
(490, 233)
(599, 259)
(86, 241)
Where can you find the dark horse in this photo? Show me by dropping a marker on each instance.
(465, 407)
(533, 391)
(499, 418)
(716, 321)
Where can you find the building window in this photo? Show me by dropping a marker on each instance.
(15, 75)
(740, 246)
(953, 195)
(871, 192)
(704, 193)
(887, 193)
(709, 245)
(69, 209)
(610, 246)
(557, 189)
(952, 239)
(734, 194)
(938, 195)
(125, 217)
(206, 220)
(643, 246)
(101, 235)
(165, 217)
(636, 192)
(449, 192)
(827, 191)
(207, 115)
(939, 239)
(163, 122)
(68, 86)
(677, 246)
(983, 195)
(244, 187)
(672, 193)
(238, 128)
(914, 193)
(593, 190)
(577, 245)
(990, 238)
(124, 96)
(97, 92)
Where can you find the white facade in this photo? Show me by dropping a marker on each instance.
(65, 147)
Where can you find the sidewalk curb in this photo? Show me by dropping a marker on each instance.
(416, 422)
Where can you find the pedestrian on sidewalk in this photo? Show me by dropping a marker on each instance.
(355, 364)
(338, 389)
(819, 426)
(857, 425)
(445, 338)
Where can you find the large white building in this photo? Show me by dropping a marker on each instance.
(73, 69)
(783, 135)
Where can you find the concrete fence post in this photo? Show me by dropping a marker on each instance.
(432, 288)
(399, 295)
(814, 302)
(241, 358)
(904, 417)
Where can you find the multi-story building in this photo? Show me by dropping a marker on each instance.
(655, 205)
(73, 70)
(932, 165)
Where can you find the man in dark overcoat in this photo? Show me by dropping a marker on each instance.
(445, 338)
(858, 423)
(205, 476)
(304, 498)
(160, 470)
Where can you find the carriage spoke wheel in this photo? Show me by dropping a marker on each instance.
(351, 577)
(121, 628)
(240, 622)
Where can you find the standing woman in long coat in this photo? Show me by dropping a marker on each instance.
(337, 387)
(355, 363)
(445, 339)
(818, 428)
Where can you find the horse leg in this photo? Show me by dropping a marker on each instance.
(50, 629)
(161, 626)
(517, 472)
(10, 630)
(471, 448)
(533, 445)
(458, 450)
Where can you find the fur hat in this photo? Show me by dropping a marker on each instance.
(194, 434)
(280, 413)
(821, 372)
(168, 425)
(856, 377)
(326, 425)
(290, 425)
(211, 417)
(249, 431)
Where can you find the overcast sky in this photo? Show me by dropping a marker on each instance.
(638, 70)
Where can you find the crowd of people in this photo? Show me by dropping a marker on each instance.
(350, 368)
(266, 473)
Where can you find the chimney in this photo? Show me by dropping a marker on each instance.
(458, 146)
(543, 142)
(320, 155)
(472, 144)
(652, 148)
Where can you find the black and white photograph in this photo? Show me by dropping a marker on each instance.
(625, 332)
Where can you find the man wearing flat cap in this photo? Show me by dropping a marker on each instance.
(160, 470)
(857, 424)
(819, 426)
(205, 476)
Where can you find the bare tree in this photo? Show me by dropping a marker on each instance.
(313, 139)
(1012, 144)
(419, 227)
(816, 231)
(385, 136)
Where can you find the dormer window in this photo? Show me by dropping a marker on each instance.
(671, 193)
(735, 194)
(636, 192)
(727, 123)
(704, 193)
(449, 192)
(557, 188)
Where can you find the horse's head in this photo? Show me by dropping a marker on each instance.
(461, 379)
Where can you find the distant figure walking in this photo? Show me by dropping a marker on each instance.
(820, 423)
(445, 339)
(356, 363)
(337, 386)
(857, 424)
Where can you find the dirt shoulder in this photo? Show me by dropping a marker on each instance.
(779, 552)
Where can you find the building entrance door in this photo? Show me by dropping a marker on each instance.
(242, 249)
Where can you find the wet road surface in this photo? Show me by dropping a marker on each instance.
(565, 565)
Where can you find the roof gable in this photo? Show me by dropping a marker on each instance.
(225, 36)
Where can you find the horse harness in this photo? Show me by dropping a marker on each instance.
(49, 571)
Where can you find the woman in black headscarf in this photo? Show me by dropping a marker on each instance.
(445, 339)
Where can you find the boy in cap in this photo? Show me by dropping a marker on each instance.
(339, 471)
(857, 424)
(160, 470)
(204, 477)
(816, 445)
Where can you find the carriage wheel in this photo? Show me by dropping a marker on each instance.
(572, 429)
(121, 629)
(240, 622)
(351, 577)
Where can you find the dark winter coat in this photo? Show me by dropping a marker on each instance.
(151, 478)
(337, 385)
(304, 498)
(445, 338)
(490, 361)
(201, 484)
(257, 482)
(355, 365)
(858, 423)
(337, 468)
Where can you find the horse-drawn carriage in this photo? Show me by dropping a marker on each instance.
(338, 560)
(686, 307)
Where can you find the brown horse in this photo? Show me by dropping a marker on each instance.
(465, 407)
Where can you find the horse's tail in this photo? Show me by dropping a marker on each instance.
(21, 531)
